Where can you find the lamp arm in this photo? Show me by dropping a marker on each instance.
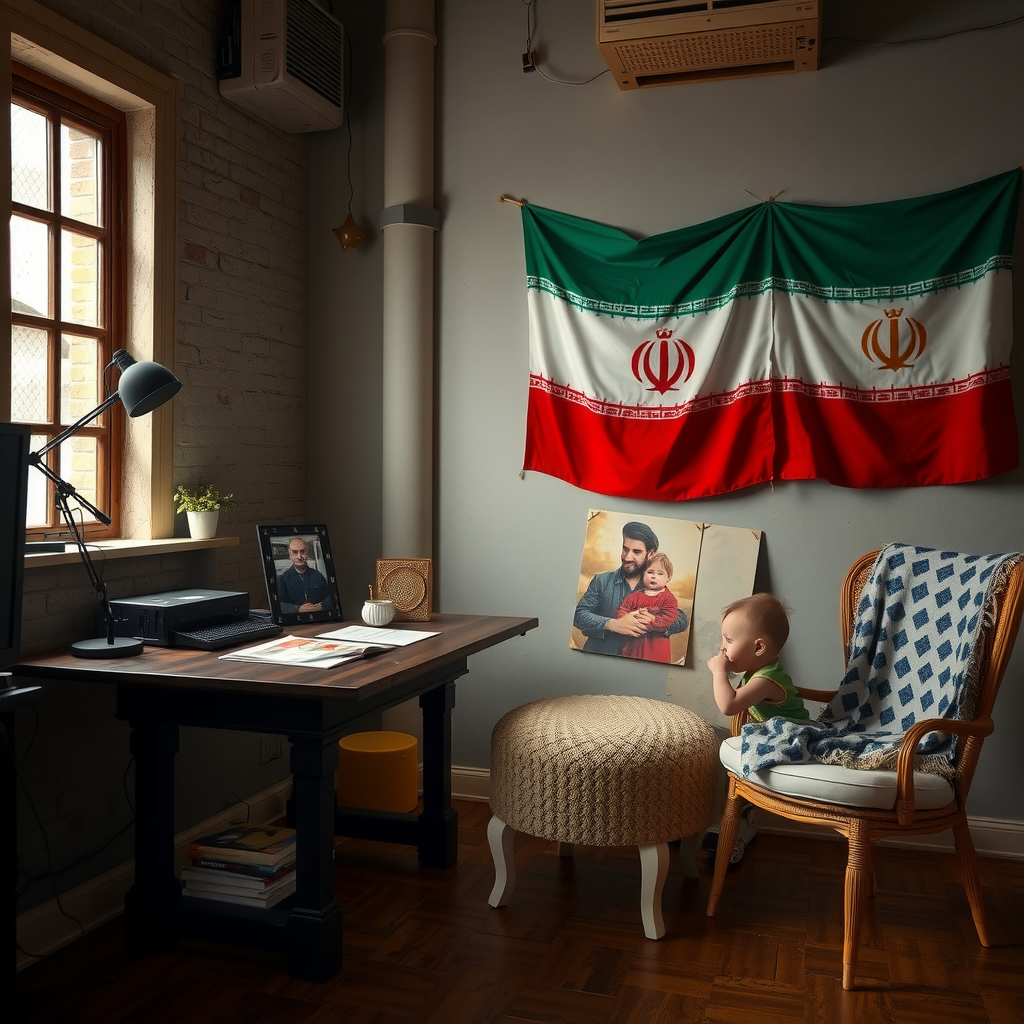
(76, 426)
(61, 500)
(62, 489)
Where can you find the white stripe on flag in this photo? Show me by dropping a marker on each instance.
(955, 335)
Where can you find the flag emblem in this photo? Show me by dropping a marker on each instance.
(894, 359)
(661, 363)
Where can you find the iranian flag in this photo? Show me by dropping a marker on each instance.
(868, 346)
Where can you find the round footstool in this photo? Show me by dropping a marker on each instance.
(604, 771)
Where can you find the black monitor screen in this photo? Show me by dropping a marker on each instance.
(14, 439)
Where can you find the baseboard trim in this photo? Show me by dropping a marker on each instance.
(44, 929)
(993, 837)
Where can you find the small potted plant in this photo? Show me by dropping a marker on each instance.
(203, 505)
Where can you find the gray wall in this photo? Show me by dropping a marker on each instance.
(879, 121)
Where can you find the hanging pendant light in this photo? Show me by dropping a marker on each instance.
(350, 234)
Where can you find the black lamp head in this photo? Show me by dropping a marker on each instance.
(143, 387)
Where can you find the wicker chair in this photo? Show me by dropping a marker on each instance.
(901, 802)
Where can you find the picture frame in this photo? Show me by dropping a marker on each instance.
(296, 597)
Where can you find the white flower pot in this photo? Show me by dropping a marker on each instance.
(202, 525)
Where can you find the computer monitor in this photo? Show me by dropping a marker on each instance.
(14, 441)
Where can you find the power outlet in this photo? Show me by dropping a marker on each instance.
(271, 748)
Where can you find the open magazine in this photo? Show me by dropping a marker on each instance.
(302, 650)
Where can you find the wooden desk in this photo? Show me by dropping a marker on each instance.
(162, 689)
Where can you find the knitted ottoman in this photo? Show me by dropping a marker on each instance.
(604, 771)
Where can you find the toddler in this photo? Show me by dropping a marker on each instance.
(754, 631)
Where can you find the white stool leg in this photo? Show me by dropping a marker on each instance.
(688, 856)
(500, 838)
(653, 872)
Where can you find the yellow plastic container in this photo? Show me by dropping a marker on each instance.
(378, 771)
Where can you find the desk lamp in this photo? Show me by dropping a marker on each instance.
(142, 388)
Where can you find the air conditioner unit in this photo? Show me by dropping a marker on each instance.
(282, 61)
(665, 42)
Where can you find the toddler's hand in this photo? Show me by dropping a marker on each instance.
(720, 662)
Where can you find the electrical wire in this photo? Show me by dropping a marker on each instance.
(26, 878)
(530, 9)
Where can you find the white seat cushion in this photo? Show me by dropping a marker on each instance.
(834, 784)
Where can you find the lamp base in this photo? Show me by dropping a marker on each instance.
(122, 647)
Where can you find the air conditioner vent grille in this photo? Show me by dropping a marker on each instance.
(757, 45)
(312, 47)
(634, 12)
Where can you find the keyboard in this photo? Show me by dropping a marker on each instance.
(227, 634)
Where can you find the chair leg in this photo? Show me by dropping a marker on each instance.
(688, 855)
(726, 839)
(653, 872)
(500, 839)
(968, 861)
(565, 849)
(859, 884)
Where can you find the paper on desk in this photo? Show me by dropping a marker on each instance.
(372, 635)
(303, 650)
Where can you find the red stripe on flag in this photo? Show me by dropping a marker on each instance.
(948, 440)
(952, 439)
(692, 456)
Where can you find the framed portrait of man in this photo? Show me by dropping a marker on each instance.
(299, 571)
(636, 586)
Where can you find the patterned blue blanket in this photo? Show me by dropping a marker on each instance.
(911, 657)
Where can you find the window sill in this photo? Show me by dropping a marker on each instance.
(128, 549)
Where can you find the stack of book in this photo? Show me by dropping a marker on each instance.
(251, 865)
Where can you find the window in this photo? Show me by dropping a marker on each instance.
(67, 285)
(147, 100)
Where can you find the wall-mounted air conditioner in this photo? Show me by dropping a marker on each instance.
(282, 61)
(665, 42)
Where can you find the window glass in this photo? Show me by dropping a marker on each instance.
(30, 267)
(36, 514)
(30, 374)
(80, 266)
(29, 178)
(80, 155)
(79, 378)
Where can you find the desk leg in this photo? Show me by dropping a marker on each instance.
(315, 922)
(151, 903)
(439, 822)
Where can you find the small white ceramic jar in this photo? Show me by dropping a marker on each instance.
(379, 612)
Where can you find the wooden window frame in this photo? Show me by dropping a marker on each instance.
(62, 104)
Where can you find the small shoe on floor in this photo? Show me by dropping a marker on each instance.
(747, 831)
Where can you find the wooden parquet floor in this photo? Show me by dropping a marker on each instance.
(423, 946)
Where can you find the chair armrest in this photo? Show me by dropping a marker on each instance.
(908, 749)
(737, 722)
(822, 696)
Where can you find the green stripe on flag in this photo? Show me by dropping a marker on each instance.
(875, 252)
